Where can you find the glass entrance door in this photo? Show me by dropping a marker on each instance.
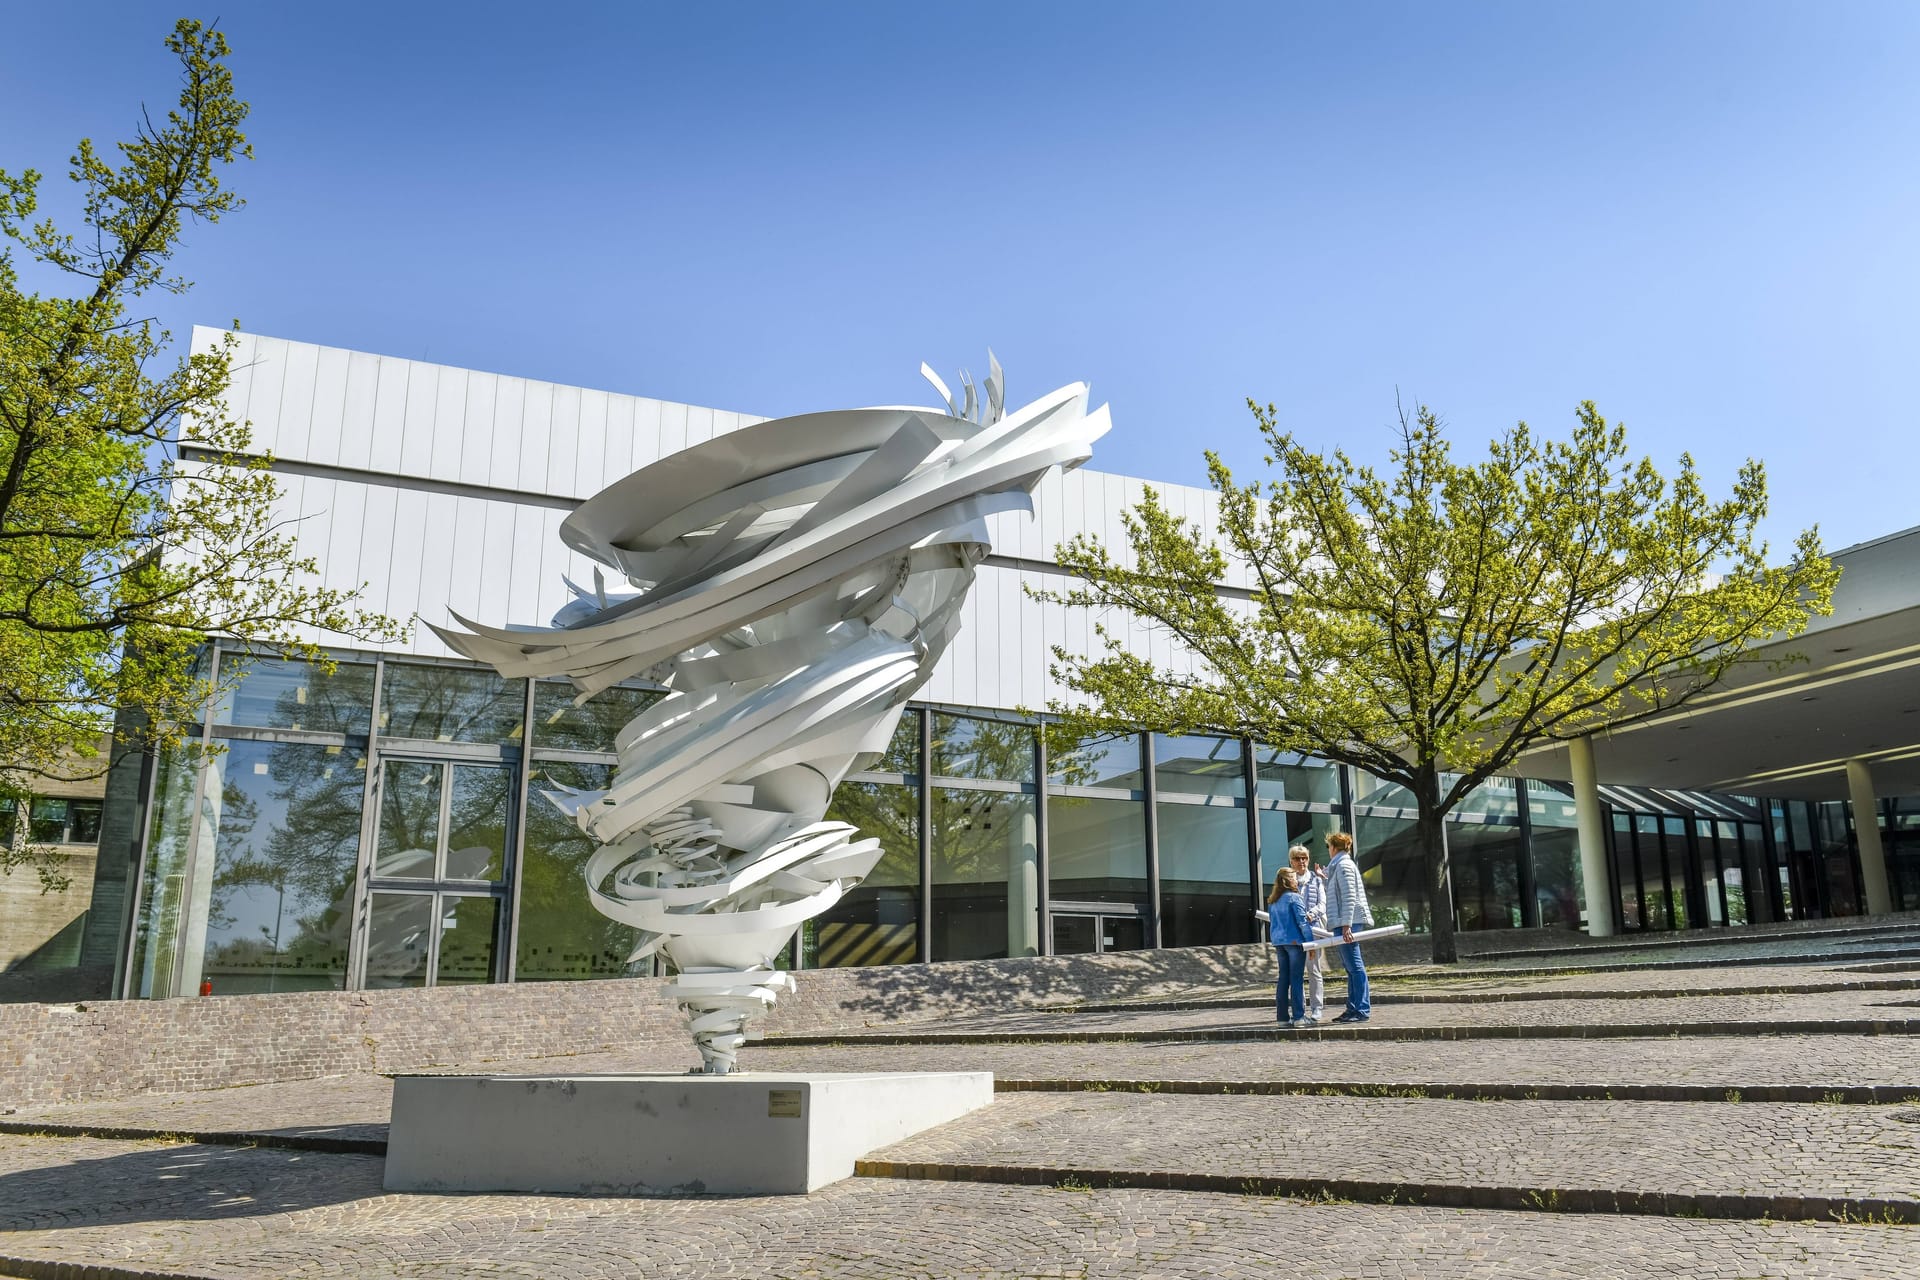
(438, 878)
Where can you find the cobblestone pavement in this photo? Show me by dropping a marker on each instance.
(357, 1106)
(1659, 1148)
(238, 1211)
(256, 1213)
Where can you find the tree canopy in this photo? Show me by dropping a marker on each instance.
(134, 518)
(1433, 623)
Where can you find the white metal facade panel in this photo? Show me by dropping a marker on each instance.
(416, 440)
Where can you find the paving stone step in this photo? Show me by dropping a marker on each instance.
(1427, 1194)
(19, 1268)
(1490, 1091)
(1709, 1159)
(1367, 1031)
(1909, 924)
(1379, 996)
(335, 1144)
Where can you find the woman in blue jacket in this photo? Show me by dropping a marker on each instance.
(1289, 931)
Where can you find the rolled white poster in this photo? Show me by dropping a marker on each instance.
(1360, 935)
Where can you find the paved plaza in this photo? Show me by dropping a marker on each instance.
(1743, 1116)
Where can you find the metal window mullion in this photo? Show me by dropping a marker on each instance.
(1616, 908)
(1043, 897)
(1349, 820)
(924, 934)
(1250, 779)
(436, 898)
(1526, 883)
(446, 822)
(1150, 772)
(361, 917)
(506, 968)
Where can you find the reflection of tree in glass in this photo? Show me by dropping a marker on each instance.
(280, 693)
(890, 814)
(409, 818)
(561, 935)
(477, 822)
(451, 704)
(307, 858)
(964, 747)
(1097, 759)
(974, 832)
(592, 726)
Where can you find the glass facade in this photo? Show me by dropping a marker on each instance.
(416, 790)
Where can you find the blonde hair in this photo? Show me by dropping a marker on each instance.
(1283, 882)
(1300, 851)
(1339, 842)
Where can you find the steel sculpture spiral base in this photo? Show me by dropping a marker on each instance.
(796, 580)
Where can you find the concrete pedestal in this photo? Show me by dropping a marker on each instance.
(742, 1134)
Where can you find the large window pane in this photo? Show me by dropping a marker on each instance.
(1483, 860)
(1371, 790)
(1626, 872)
(1205, 897)
(161, 924)
(1194, 764)
(1281, 829)
(1097, 849)
(903, 751)
(451, 704)
(985, 885)
(1495, 798)
(274, 693)
(966, 747)
(1556, 854)
(561, 935)
(477, 822)
(1394, 870)
(469, 931)
(590, 727)
(285, 823)
(47, 821)
(399, 940)
(1109, 760)
(875, 923)
(1289, 775)
(83, 821)
(409, 819)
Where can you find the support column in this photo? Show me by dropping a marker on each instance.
(1866, 831)
(1593, 839)
(1023, 884)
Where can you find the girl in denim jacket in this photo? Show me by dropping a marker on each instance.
(1289, 932)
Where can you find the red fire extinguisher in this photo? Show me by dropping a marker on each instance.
(206, 986)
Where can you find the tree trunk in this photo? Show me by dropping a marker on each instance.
(1432, 832)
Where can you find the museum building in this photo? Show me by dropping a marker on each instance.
(382, 825)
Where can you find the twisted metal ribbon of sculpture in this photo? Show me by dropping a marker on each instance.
(797, 581)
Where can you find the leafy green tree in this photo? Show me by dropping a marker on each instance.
(133, 523)
(1432, 624)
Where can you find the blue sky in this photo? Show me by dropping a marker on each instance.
(1702, 216)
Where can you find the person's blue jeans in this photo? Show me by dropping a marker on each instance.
(1289, 995)
(1358, 1002)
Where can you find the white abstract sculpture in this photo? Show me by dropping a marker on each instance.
(798, 580)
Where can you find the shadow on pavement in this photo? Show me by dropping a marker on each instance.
(181, 1183)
